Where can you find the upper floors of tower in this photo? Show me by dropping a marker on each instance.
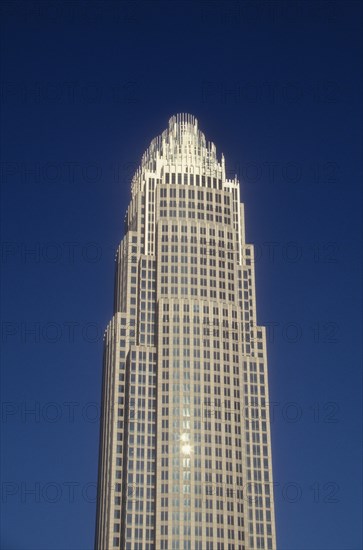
(182, 155)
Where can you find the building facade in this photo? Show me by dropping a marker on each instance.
(185, 452)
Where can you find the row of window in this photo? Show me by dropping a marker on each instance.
(171, 213)
(203, 250)
(199, 545)
(185, 501)
(186, 530)
(193, 229)
(191, 179)
(192, 205)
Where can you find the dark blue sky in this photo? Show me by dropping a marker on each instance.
(86, 85)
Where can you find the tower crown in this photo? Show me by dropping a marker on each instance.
(181, 144)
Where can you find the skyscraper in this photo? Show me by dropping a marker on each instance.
(185, 453)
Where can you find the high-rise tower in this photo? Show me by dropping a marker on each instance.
(185, 453)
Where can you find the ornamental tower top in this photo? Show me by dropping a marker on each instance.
(182, 145)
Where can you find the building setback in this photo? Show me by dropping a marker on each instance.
(185, 452)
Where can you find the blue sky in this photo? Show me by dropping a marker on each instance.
(86, 85)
